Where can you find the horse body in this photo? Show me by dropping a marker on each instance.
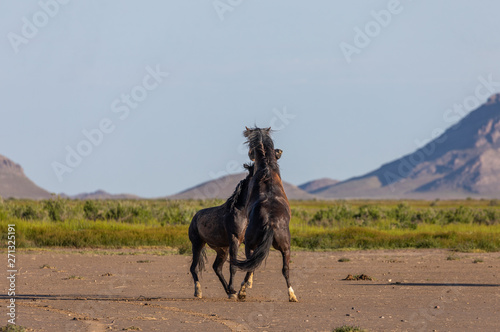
(268, 210)
(216, 234)
(222, 228)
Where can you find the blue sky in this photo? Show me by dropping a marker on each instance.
(173, 84)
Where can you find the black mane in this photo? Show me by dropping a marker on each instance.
(234, 199)
(260, 142)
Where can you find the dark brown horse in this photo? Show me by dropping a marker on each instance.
(267, 209)
(222, 228)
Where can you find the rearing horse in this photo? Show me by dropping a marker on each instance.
(267, 209)
(222, 228)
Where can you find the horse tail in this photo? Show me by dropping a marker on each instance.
(197, 244)
(202, 261)
(259, 254)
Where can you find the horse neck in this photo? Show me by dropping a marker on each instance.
(268, 163)
(241, 200)
(264, 153)
(239, 196)
(260, 158)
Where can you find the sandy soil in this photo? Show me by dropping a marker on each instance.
(411, 290)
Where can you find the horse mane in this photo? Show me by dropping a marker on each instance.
(259, 140)
(233, 199)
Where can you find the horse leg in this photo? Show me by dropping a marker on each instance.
(248, 281)
(233, 254)
(286, 262)
(242, 294)
(197, 248)
(218, 264)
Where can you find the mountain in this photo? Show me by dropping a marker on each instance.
(14, 183)
(318, 184)
(464, 161)
(224, 186)
(101, 194)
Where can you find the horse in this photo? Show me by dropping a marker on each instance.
(267, 210)
(222, 228)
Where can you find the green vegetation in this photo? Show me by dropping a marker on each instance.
(46, 266)
(465, 225)
(73, 277)
(357, 277)
(12, 328)
(347, 328)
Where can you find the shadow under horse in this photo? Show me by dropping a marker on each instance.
(222, 228)
(268, 210)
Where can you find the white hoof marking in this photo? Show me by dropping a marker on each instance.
(291, 295)
(197, 290)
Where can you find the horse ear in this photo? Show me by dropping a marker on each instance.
(268, 129)
(246, 128)
(278, 153)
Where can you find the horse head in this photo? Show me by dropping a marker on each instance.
(261, 146)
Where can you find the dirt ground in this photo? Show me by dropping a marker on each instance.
(137, 290)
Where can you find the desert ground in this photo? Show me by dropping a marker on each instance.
(149, 290)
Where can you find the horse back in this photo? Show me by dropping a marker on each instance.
(209, 224)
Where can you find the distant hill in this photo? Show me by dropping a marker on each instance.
(101, 194)
(14, 183)
(224, 186)
(316, 185)
(464, 161)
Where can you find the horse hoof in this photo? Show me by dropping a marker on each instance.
(197, 290)
(242, 296)
(233, 296)
(291, 295)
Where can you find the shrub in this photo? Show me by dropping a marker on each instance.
(369, 213)
(55, 209)
(302, 214)
(26, 212)
(141, 213)
(90, 210)
(462, 214)
(333, 213)
(116, 212)
(347, 328)
(494, 202)
(175, 215)
(402, 213)
(12, 328)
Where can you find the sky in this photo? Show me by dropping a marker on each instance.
(151, 97)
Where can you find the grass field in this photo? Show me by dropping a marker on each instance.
(465, 225)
